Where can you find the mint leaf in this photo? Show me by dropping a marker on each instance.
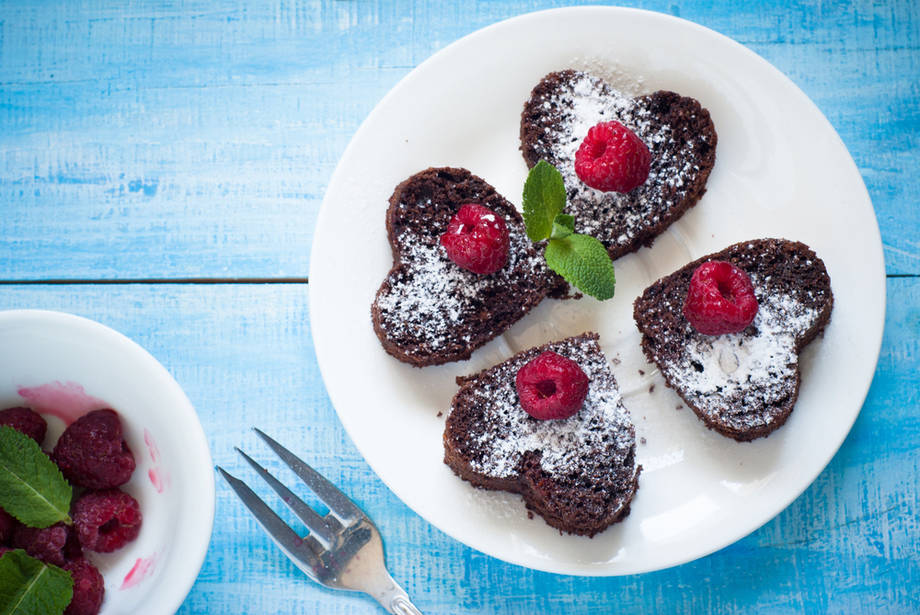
(31, 587)
(583, 261)
(544, 198)
(580, 259)
(563, 226)
(32, 488)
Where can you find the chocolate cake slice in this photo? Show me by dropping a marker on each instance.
(743, 385)
(429, 310)
(580, 474)
(677, 130)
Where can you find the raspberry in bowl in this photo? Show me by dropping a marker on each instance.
(143, 498)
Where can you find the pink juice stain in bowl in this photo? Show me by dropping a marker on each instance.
(157, 475)
(65, 400)
(142, 568)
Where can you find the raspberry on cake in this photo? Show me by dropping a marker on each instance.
(720, 299)
(430, 311)
(744, 384)
(612, 158)
(579, 473)
(477, 239)
(551, 386)
(677, 131)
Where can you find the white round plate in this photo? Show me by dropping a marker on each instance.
(64, 366)
(781, 171)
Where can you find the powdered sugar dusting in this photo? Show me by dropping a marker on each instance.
(577, 104)
(727, 376)
(432, 300)
(598, 441)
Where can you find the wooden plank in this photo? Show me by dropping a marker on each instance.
(156, 140)
(243, 353)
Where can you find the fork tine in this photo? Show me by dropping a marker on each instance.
(339, 503)
(295, 547)
(317, 526)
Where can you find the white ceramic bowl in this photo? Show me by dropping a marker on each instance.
(66, 365)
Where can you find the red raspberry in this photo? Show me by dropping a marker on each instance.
(106, 520)
(88, 588)
(92, 453)
(477, 239)
(720, 299)
(612, 158)
(53, 545)
(551, 386)
(25, 420)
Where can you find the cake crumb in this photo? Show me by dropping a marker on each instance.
(642, 440)
(680, 406)
(530, 514)
(440, 413)
(641, 372)
(616, 360)
(651, 388)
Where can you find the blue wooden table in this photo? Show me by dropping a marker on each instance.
(161, 168)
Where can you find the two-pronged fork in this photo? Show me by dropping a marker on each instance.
(343, 549)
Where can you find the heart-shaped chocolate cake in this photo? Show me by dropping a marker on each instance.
(579, 473)
(745, 384)
(429, 310)
(677, 130)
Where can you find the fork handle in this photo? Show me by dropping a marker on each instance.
(394, 598)
(401, 606)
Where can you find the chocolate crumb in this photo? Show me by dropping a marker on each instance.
(642, 440)
(440, 413)
(641, 372)
(651, 388)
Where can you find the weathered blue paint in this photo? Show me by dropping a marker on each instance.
(243, 353)
(182, 139)
(239, 111)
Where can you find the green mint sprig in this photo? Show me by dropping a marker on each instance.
(31, 587)
(32, 488)
(581, 260)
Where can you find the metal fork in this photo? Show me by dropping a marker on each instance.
(343, 549)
